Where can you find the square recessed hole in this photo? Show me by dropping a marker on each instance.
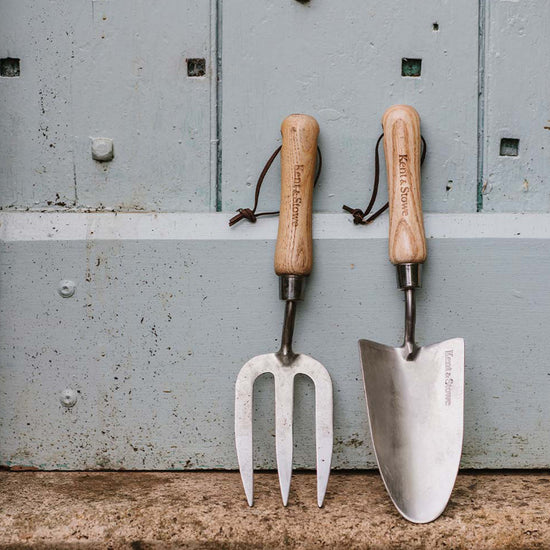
(509, 147)
(411, 67)
(9, 66)
(196, 66)
(435, 26)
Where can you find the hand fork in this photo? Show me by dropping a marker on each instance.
(293, 262)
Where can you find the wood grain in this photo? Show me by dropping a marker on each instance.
(294, 249)
(402, 148)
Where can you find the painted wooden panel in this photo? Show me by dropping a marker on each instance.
(36, 122)
(342, 63)
(517, 107)
(107, 69)
(168, 307)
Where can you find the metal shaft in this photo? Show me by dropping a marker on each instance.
(286, 352)
(291, 290)
(410, 321)
(408, 279)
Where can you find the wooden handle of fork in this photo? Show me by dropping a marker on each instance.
(402, 148)
(294, 250)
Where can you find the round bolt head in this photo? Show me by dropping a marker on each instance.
(102, 149)
(66, 288)
(68, 398)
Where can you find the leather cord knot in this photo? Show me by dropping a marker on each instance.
(357, 214)
(250, 213)
(360, 215)
(243, 213)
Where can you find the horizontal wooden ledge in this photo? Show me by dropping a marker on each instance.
(71, 226)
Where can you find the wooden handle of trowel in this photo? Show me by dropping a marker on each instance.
(402, 148)
(294, 250)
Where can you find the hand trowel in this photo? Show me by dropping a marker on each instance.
(415, 394)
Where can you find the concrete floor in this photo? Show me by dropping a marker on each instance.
(208, 510)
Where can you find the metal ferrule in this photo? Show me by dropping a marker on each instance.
(408, 276)
(292, 287)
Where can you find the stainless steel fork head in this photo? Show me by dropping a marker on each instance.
(283, 375)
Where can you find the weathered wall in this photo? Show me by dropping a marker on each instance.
(118, 69)
(168, 306)
(517, 106)
(342, 63)
(106, 69)
(166, 312)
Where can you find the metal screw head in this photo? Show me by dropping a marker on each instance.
(68, 397)
(102, 149)
(66, 288)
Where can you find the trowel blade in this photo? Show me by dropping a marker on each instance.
(416, 415)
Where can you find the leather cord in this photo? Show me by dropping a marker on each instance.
(360, 215)
(250, 214)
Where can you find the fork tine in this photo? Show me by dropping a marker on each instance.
(243, 428)
(284, 401)
(323, 421)
(323, 430)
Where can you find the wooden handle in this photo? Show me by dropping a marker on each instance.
(294, 250)
(402, 148)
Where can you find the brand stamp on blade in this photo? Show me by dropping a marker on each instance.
(448, 380)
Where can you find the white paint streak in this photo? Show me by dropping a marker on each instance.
(56, 226)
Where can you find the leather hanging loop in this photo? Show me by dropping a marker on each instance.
(360, 215)
(250, 214)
